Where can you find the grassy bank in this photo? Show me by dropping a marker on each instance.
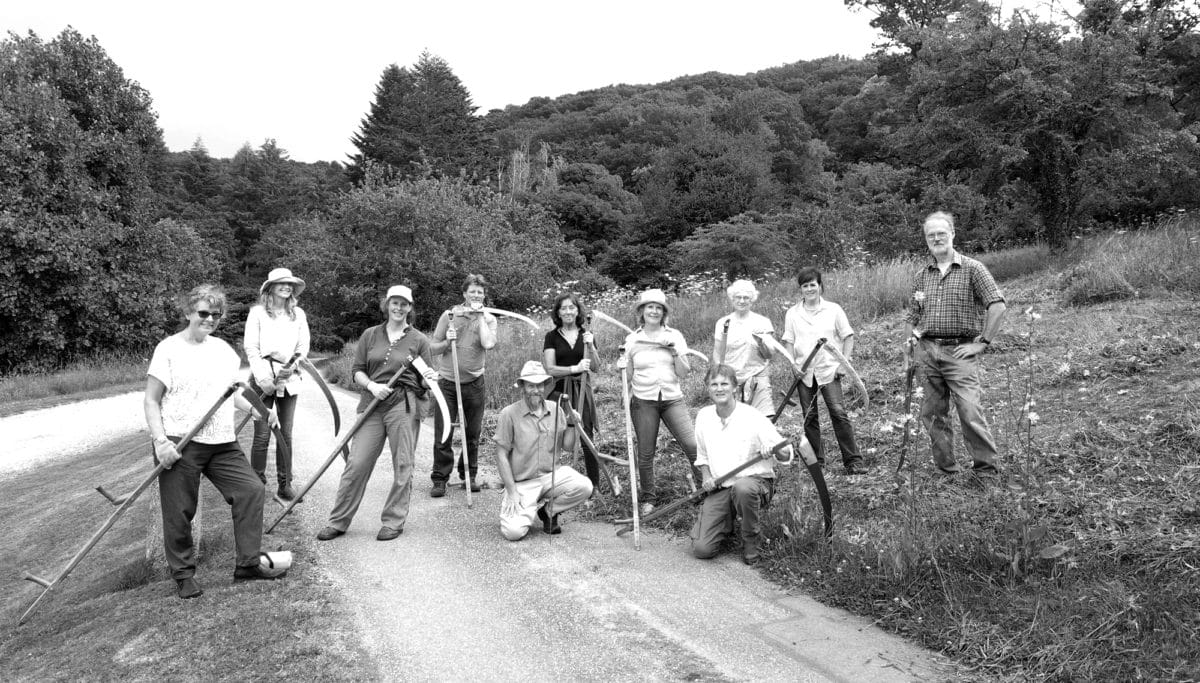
(116, 617)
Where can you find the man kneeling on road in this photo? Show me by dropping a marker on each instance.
(728, 434)
(529, 435)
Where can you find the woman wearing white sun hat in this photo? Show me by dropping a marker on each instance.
(656, 355)
(276, 330)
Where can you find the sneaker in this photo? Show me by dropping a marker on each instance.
(549, 524)
(751, 558)
(329, 533)
(257, 573)
(188, 588)
(856, 469)
(438, 490)
(387, 533)
(286, 492)
(475, 488)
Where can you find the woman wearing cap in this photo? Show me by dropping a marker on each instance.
(382, 350)
(736, 343)
(804, 324)
(529, 433)
(568, 353)
(276, 330)
(656, 354)
(188, 372)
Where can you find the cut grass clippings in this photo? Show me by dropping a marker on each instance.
(116, 617)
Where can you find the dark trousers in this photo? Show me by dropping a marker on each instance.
(179, 490)
(588, 413)
(285, 408)
(474, 395)
(746, 500)
(842, 428)
(646, 417)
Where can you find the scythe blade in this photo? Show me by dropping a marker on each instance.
(423, 368)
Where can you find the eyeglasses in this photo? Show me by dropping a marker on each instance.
(205, 315)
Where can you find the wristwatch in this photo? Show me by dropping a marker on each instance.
(983, 340)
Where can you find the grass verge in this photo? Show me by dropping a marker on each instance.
(116, 616)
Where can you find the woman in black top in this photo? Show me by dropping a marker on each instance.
(568, 353)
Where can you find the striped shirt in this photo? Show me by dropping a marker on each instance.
(954, 304)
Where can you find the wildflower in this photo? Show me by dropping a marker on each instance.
(1033, 418)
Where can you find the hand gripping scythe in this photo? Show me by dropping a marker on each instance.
(124, 503)
(832, 350)
(342, 441)
(304, 364)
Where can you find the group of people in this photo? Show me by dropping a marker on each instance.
(954, 310)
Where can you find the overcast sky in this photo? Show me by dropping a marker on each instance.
(304, 73)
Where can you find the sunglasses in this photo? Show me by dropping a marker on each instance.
(205, 315)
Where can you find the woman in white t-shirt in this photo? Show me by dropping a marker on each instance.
(656, 356)
(189, 371)
(276, 330)
(736, 344)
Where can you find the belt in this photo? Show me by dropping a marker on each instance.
(949, 341)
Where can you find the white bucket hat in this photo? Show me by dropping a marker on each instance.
(280, 276)
(534, 373)
(400, 291)
(652, 296)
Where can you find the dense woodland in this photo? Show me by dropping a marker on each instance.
(1026, 130)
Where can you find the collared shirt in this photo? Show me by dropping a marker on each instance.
(954, 304)
(652, 365)
(529, 438)
(802, 329)
(380, 358)
(195, 375)
(279, 337)
(741, 348)
(723, 444)
(471, 353)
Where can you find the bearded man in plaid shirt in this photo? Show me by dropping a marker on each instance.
(955, 310)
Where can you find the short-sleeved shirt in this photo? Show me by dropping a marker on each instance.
(380, 358)
(529, 438)
(802, 329)
(195, 376)
(725, 444)
(471, 354)
(954, 304)
(741, 348)
(653, 366)
(565, 354)
(277, 337)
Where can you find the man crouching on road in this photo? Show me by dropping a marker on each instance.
(529, 434)
(728, 433)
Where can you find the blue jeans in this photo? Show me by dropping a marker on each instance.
(646, 415)
(285, 408)
(842, 428)
(474, 395)
(947, 376)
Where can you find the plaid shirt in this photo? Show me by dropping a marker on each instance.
(953, 305)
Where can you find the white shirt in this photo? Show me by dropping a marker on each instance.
(741, 348)
(802, 329)
(725, 444)
(195, 376)
(279, 338)
(652, 365)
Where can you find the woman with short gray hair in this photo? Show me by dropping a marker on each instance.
(737, 343)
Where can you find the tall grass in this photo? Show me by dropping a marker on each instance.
(1129, 264)
(102, 372)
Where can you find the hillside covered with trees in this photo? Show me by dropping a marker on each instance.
(1029, 131)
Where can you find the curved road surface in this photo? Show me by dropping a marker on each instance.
(451, 600)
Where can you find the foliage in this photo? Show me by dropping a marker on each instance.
(420, 123)
(84, 268)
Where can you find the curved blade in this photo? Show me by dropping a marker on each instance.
(833, 351)
(333, 406)
(694, 352)
(423, 367)
(601, 315)
(773, 344)
(518, 316)
(818, 477)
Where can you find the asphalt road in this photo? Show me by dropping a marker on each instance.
(452, 600)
